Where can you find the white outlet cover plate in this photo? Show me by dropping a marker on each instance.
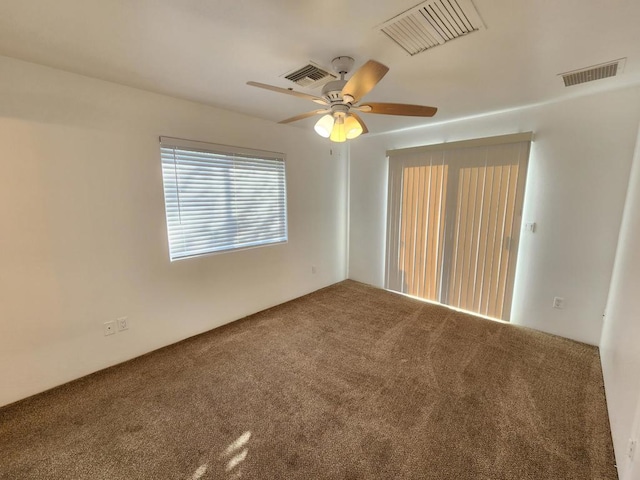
(631, 450)
(109, 328)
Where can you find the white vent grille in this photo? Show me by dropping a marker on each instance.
(595, 72)
(432, 23)
(310, 76)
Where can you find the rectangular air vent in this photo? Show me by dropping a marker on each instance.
(432, 23)
(310, 76)
(595, 72)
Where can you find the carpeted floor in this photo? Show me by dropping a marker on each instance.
(350, 382)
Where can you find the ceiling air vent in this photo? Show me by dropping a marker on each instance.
(432, 23)
(595, 72)
(310, 76)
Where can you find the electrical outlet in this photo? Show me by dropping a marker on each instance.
(631, 449)
(109, 328)
(558, 302)
(123, 323)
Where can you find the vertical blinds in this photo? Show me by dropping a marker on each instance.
(454, 217)
(220, 198)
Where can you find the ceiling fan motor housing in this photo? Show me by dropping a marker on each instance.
(332, 91)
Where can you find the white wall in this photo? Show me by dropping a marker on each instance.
(578, 176)
(620, 345)
(83, 228)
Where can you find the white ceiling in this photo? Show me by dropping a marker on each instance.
(206, 50)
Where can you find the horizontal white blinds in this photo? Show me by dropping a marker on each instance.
(220, 198)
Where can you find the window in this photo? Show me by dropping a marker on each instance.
(454, 215)
(220, 198)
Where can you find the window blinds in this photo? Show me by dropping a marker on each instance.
(220, 198)
(454, 214)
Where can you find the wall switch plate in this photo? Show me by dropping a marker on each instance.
(313, 269)
(530, 227)
(109, 328)
(123, 323)
(558, 302)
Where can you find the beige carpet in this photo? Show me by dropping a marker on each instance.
(350, 382)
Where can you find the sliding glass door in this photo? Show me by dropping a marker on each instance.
(454, 216)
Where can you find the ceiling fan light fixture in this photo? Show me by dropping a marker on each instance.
(338, 134)
(324, 126)
(352, 128)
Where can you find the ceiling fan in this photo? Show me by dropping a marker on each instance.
(340, 98)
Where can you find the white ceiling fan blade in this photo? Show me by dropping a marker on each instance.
(286, 91)
(302, 116)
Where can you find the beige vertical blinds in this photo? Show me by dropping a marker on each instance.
(454, 215)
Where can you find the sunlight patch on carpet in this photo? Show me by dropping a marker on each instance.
(238, 443)
(202, 469)
(239, 458)
(235, 454)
